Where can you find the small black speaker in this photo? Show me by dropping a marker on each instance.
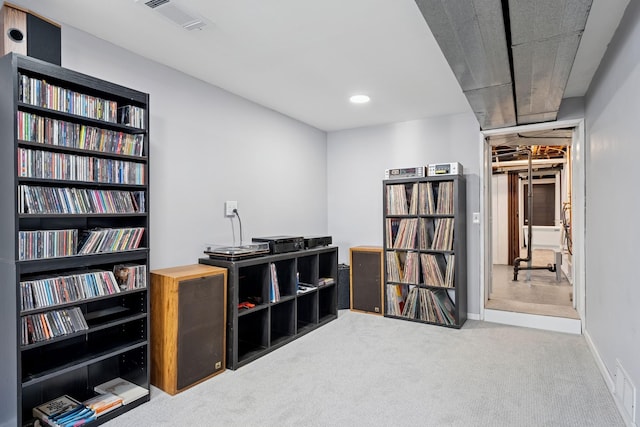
(43, 40)
(28, 34)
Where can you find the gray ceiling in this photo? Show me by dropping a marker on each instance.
(304, 59)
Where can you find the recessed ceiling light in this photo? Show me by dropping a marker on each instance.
(359, 99)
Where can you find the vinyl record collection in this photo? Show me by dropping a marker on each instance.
(420, 303)
(422, 252)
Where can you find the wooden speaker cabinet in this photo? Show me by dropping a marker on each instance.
(188, 325)
(366, 279)
(27, 33)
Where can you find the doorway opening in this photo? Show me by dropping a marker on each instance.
(544, 289)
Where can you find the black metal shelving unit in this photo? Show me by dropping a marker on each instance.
(424, 225)
(254, 332)
(116, 342)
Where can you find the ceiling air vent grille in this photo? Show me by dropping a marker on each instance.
(178, 15)
(155, 3)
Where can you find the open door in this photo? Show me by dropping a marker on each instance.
(513, 223)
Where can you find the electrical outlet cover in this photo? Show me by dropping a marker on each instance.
(229, 206)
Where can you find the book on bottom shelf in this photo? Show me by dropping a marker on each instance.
(103, 403)
(122, 388)
(63, 411)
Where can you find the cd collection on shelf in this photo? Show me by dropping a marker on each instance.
(77, 172)
(52, 324)
(38, 244)
(69, 288)
(72, 167)
(131, 276)
(38, 92)
(110, 240)
(70, 200)
(48, 131)
(41, 244)
(131, 115)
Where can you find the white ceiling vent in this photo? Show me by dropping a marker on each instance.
(176, 14)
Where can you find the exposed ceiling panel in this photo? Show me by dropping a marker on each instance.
(545, 36)
(543, 19)
(493, 106)
(512, 64)
(541, 70)
(472, 37)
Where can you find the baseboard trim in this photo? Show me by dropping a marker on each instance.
(611, 384)
(473, 316)
(608, 379)
(548, 323)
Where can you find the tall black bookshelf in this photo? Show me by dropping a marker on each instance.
(74, 238)
(307, 299)
(425, 249)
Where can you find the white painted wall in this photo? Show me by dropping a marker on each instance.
(208, 146)
(500, 219)
(612, 235)
(357, 159)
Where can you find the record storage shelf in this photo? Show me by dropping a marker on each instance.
(425, 263)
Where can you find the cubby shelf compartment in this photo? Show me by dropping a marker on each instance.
(253, 332)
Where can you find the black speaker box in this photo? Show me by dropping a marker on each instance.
(200, 303)
(366, 279)
(28, 34)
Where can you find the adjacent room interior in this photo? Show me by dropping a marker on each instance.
(547, 289)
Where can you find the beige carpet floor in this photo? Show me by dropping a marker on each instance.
(367, 370)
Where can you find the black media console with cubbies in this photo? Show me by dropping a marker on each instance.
(305, 299)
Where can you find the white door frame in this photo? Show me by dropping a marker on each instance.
(577, 211)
